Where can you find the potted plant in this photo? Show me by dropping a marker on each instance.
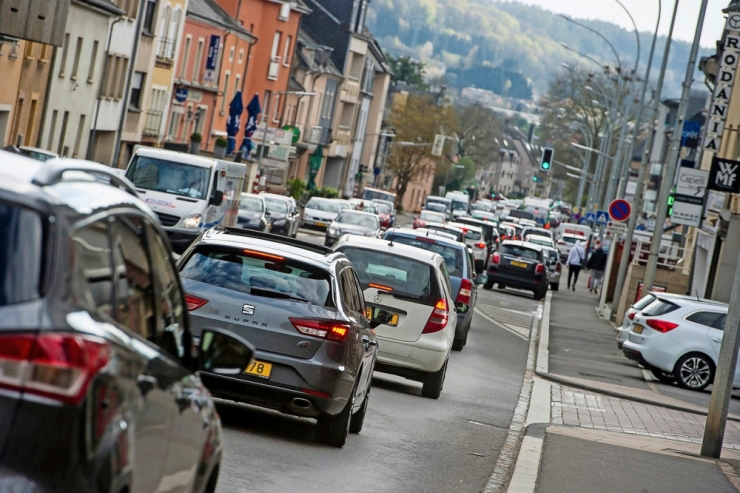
(195, 140)
(219, 150)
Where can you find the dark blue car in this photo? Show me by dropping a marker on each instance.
(461, 270)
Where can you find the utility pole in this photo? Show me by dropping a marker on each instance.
(673, 155)
(624, 263)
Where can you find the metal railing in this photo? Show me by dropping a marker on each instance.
(671, 256)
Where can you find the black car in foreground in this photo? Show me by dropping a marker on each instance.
(97, 390)
(253, 213)
(520, 265)
(284, 214)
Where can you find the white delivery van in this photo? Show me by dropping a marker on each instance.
(580, 230)
(460, 203)
(189, 193)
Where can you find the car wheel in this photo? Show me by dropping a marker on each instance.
(357, 419)
(663, 376)
(538, 295)
(555, 287)
(333, 430)
(434, 382)
(694, 371)
(488, 284)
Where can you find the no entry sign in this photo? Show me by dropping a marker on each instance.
(620, 210)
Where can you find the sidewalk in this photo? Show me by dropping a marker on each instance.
(583, 440)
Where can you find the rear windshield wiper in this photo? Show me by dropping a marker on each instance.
(269, 293)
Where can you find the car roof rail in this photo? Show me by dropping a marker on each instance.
(312, 247)
(54, 169)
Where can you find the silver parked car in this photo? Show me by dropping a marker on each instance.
(353, 223)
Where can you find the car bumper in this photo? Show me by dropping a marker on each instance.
(316, 223)
(660, 354)
(427, 354)
(180, 239)
(463, 323)
(280, 230)
(555, 277)
(510, 280)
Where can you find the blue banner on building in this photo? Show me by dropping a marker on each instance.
(212, 59)
(691, 134)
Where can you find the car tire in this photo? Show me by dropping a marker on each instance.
(694, 371)
(555, 287)
(488, 284)
(501, 286)
(333, 430)
(357, 419)
(434, 382)
(538, 295)
(662, 376)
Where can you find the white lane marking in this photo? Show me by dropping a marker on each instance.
(513, 331)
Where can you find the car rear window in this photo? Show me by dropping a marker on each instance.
(432, 216)
(519, 251)
(644, 301)
(659, 307)
(473, 235)
(458, 235)
(258, 273)
(402, 276)
(705, 318)
(453, 256)
(323, 205)
(21, 246)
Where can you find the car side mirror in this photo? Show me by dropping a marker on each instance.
(224, 353)
(217, 198)
(481, 279)
(267, 213)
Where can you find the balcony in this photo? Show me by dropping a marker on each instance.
(340, 145)
(350, 92)
(153, 123)
(315, 134)
(274, 70)
(131, 124)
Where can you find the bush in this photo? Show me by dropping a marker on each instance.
(326, 192)
(196, 137)
(296, 186)
(221, 142)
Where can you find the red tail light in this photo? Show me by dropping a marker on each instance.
(56, 366)
(561, 242)
(325, 329)
(661, 325)
(540, 269)
(631, 316)
(480, 245)
(193, 302)
(466, 289)
(559, 267)
(496, 259)
(438, 319)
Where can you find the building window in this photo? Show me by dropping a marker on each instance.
(93, 59)
(168, 33)
(266, 106)
(185, 56)
(231, 54)
(241, 56)
(63, 135)
(286, 52)
(155, 112)
(122, 78)
(136, 84)
(198, 56)
(29, 49)
(30, 123)
(78, 140)
(227, 77)
(76, 62)
(63, 61)
(237, 82)
(284, 11)
(150, 10)
(175, 117)
(52, 129)
(276, 109)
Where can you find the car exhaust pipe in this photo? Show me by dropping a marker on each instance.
(302, 403)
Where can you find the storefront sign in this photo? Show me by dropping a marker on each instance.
(692, 182)
(724, 175)
(723, 90)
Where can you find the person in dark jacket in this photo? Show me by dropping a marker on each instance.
(596, 264)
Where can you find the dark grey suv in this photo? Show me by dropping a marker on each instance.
(97, 391)
(302, 307)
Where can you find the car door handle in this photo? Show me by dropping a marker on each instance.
(146, 384)
(717, 339)
(369, 342)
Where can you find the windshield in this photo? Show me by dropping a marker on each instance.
(343, 206)
(571, 239)
(39, 156)
(322, 205)
(276, 205)
(402, 276)
(363, 220)
(539, 241)
(382, 209)
(168, 176)
(459, 206)
(484, 216)
(519, 251)
(252, 204)
(371, 194)
(436, 206)
(21, 244)
(473, 235)
(458, 235)
(432, 217)
(258, 274)
(453, 256)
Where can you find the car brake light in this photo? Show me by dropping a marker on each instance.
(55, 366)
(425, 239)
(661, 325)
(559, 267)
(325, 329)
(253, 253)
(193, 302)
(540, 269)
(631, 316)
(466, 289)
(480, 245)
(561, 242)
(496, 259)
(438, 319)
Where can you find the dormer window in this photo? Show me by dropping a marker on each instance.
(284, 11)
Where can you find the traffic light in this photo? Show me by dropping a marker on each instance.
(534, 178)
(671, 200)
(546, 163)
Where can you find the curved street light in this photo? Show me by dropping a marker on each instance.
(637, 33)
(569, 19)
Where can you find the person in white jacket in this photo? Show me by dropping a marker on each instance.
(576, 258)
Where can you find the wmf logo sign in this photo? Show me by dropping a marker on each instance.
(725, 175)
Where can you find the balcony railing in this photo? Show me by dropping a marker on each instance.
(153, 122)
(166, 49)
(274, 70)
(350, 91)
(315, 136)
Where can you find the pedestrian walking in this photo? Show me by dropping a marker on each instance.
(596, 264)
(576, 257)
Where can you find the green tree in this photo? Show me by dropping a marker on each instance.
(406, 69)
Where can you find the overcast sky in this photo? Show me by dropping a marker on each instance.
(645, 13)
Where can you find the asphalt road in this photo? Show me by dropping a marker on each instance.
(409, 443)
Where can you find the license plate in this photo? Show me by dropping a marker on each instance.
(259, 369)
(637, 329)
(519, 264)
(320, 225)
(369, 314)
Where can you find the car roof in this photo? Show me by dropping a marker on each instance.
(469, 227)
(438, 238)
(388, 246)
(684, 300)
(274, 196)
(39, 150)
(472, 220)
(525, 244)
(539, 237)
(355, 212)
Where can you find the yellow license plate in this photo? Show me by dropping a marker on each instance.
(320, 225)
(259, 369)
(392, 323)
(519, 264)
(637, 329)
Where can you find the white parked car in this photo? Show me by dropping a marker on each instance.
(477, 243)
(679, 339)
(320, 212)
(544, 241)
(566, 242)
(407, 289)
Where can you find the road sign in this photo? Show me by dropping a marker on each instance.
(438, 146)
(590, 216)
(602, 217)
(620, 210)
(614, 227)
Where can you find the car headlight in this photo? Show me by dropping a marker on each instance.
(333, 232)
(191, 221)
